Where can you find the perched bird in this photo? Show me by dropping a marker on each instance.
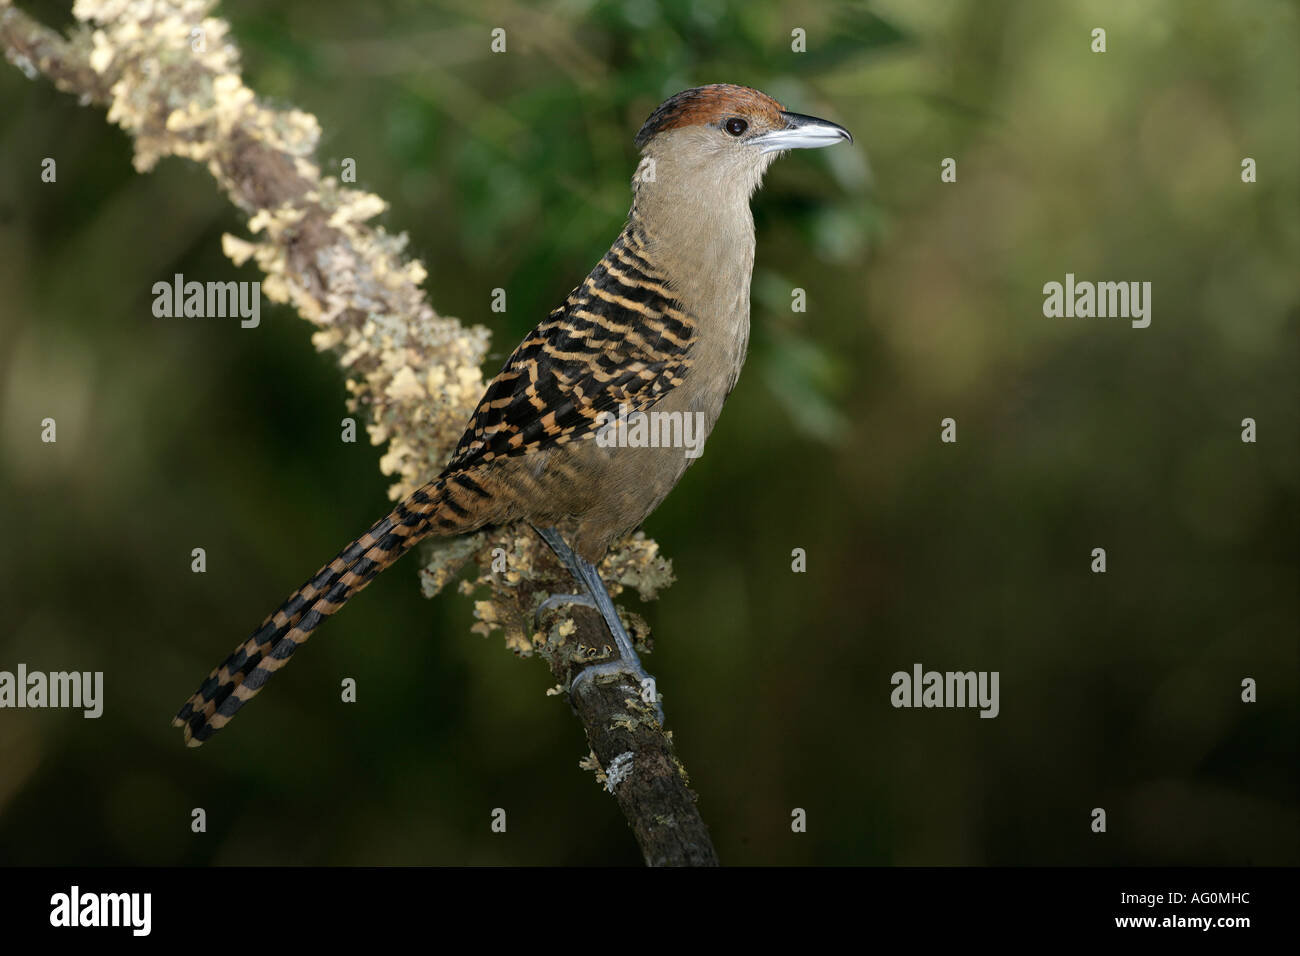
(660, 324)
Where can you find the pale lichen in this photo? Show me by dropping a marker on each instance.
(592, 762)
(619, 769)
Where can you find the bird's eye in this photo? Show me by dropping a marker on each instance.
(735, 126)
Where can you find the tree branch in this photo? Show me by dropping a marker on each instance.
(170, 76)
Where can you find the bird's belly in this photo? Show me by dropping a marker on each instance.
(599, 488)
(628, 471)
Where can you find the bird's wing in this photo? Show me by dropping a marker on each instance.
(620, 338)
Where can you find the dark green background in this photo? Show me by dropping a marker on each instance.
(924, 301)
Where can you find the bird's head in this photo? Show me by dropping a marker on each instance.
(723, 137)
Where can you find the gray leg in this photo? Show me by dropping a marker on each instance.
(586, 574)
(562, 550)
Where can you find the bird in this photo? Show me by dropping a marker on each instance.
(660, 325)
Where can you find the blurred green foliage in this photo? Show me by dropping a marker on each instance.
(924, 302)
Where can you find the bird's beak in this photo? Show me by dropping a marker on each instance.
(802, 132)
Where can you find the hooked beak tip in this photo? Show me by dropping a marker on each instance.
(803, 132)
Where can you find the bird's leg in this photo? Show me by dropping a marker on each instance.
(562, 551)
(586, 574)
(567, 558)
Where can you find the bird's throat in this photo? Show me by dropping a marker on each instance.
(702, 235)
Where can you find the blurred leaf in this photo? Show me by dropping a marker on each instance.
(803, 376)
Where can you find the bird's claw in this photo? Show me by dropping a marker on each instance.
(620, 668)
(560, 600)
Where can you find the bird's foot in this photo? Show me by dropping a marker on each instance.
(556, 601)
(620, 668)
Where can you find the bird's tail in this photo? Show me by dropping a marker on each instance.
(445, 506)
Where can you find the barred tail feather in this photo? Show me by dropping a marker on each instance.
(430, 510)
